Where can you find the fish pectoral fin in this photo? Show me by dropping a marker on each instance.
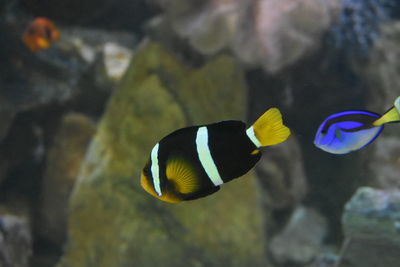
(182, 175)
(269, 129)
(338, 134)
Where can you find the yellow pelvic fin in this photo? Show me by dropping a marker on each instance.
(166, 196)
(144, 182)
(182, 175)
(391, 116)
(269, 129)
(255, 152)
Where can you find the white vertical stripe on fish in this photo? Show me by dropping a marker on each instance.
(203, 151)
(250, 133)
(155, 170)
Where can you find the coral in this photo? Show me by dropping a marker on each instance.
(358, 25)
(268, 33)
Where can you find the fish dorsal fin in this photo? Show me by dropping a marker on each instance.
(269, 129)
(182, 175)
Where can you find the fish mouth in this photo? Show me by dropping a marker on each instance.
(319, 141)
(323, 144)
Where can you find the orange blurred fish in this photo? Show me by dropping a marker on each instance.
(40, 34)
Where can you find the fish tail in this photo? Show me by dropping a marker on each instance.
(268, 129)
(392, 115)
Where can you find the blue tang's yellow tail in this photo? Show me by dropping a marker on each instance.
(392, 115)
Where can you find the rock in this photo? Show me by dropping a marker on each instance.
(31, 81)
(325, 260)
(301, 239)
(381, 73)
(19, 145)
(116, 60)
(15, 242)
(357, 28)
(121, 14)
(285, 185)
(284, 32)
(77, 73)
(109, 52)
(113, 222)
(282, 184)
(60, 74)
(268, 33)
(371, 228)
(384, 164)
(36, 79)
(63, 162)
(382, 70)
(6, 118)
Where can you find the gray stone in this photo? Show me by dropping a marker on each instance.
(282, 176)
(371, 224)
(6, 118)
(325, 260)
(384, 163)
(301, 239)
(382, 70)
(15, 242)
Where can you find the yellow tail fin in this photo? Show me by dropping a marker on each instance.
(269, 129)
(392, 115)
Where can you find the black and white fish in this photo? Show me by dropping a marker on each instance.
(193, 162)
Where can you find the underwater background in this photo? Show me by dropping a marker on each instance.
(78, 120)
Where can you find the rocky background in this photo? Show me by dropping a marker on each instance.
(77, 122)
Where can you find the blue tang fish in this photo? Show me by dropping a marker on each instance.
(193, 162)
(348, 131)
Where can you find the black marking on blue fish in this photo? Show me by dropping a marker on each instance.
(367, 119)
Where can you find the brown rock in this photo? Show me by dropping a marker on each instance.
(113, 222)
(63, 163)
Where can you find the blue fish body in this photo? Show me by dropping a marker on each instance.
(347, 131)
